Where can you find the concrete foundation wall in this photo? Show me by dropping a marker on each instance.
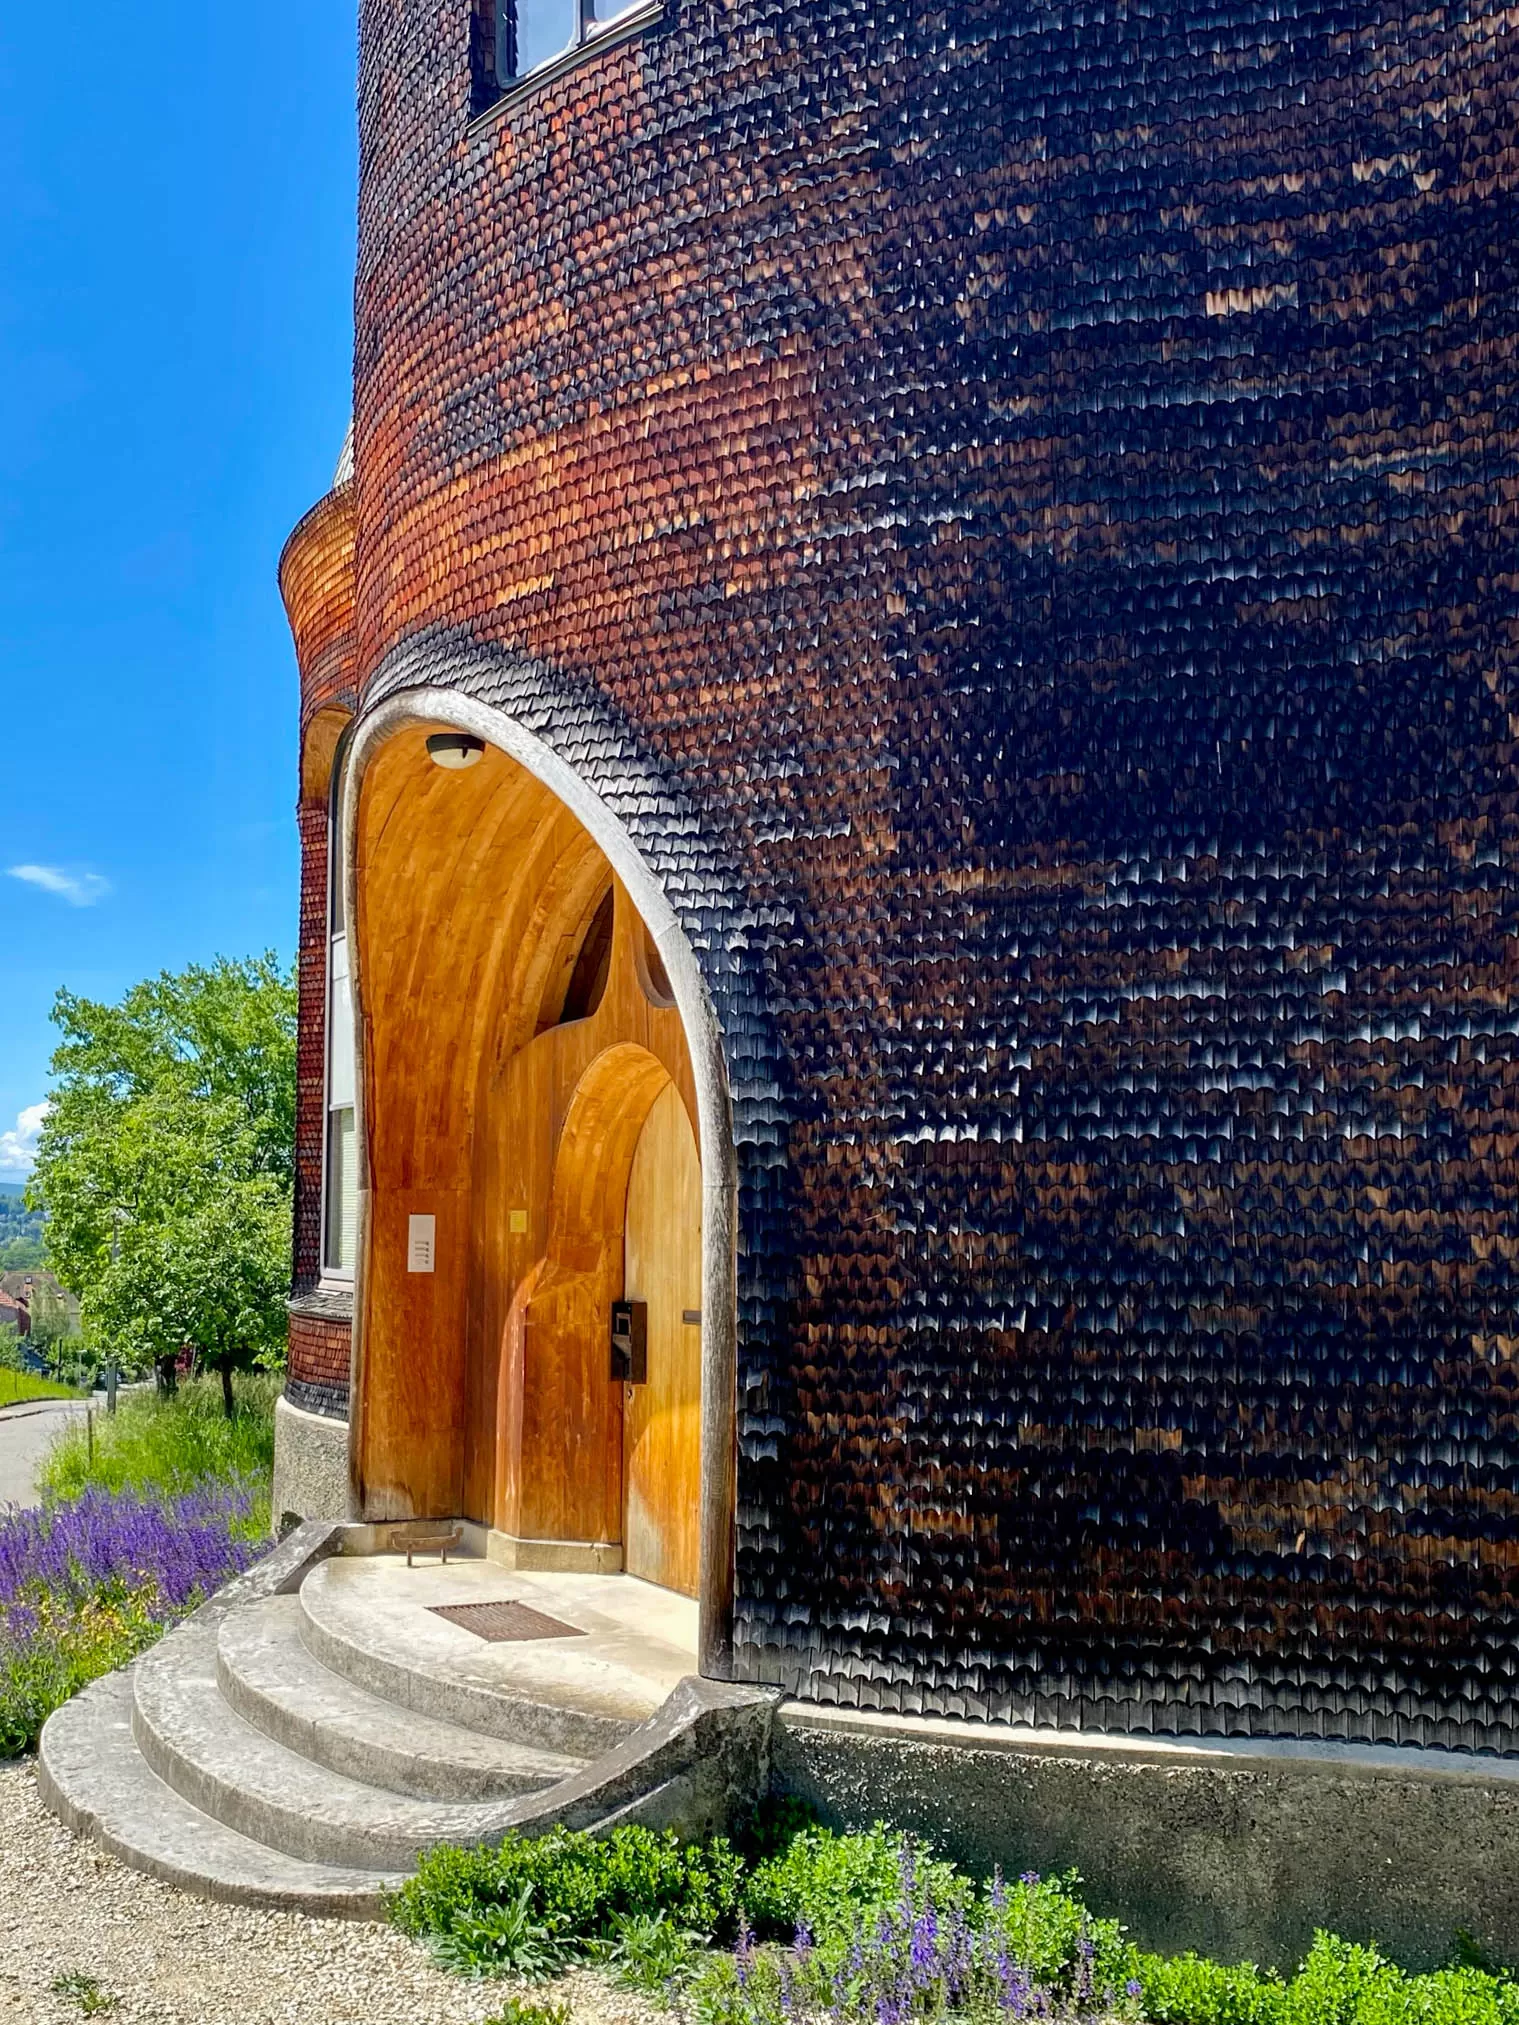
(311, 1478)
(1239, 1851)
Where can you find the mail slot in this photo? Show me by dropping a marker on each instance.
(630, 1342)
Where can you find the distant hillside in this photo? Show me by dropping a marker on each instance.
(20, 1230)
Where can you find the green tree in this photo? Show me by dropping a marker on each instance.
(166, 1165)
(52, 1319)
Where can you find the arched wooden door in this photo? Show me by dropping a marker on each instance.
(662, 1418)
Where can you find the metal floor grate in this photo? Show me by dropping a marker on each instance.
(504, 1623)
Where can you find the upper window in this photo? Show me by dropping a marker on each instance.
(588, 980)
(527, 34)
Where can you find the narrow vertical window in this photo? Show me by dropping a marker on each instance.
(340, 1181)
(342, 1143)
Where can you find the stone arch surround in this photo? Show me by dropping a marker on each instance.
(643, 827)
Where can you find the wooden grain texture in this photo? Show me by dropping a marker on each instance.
(487, 1389)
(662, 1419)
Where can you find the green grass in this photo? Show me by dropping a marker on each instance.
(158, 1446)
(19, 1386)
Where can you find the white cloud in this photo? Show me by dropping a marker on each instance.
(18, 1149)
(80, 889)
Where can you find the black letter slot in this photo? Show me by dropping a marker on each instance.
(630, 1342)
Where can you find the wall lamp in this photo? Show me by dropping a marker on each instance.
(454, 749)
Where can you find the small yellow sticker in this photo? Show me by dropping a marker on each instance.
(518, 1223)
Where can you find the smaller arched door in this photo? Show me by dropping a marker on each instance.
(661, 1421)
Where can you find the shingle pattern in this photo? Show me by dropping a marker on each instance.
(1024, 498)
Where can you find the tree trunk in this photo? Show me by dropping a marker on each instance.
(168, 1377)
(229, 1404)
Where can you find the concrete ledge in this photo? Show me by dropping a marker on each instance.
(1236, 1848)
(310, 1467)
(554, 1557)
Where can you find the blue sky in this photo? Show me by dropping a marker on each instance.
(176, 263)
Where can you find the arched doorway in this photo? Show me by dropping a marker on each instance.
(531, 1119)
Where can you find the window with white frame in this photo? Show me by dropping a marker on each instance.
(340, 1205)
(531, 33)
(342, 1143)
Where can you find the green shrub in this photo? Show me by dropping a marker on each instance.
(1189, 1990)
(834, 1882)
(1042, 1923)
(1339, 1983)
(161, 1446)
(877, 1926)
(579, 1889)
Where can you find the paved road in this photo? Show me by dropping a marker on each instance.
(26, 1433)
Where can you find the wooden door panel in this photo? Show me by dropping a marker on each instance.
(662, 1420)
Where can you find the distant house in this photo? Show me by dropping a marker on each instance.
(15, 1312)
(33, 1286)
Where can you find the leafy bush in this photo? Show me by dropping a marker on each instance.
(168, 1446)
(1340, 1983)
(870, 1929)
(1189, 1990)
(886, 1934)
(1041, 1924)
(832, 1882)
(87, 1586)
(563, 1894)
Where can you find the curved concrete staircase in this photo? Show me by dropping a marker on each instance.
(304, 1737)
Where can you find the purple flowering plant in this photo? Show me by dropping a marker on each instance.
(88, 1584)
(933, 1950)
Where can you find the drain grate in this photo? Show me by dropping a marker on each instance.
(505, 1623)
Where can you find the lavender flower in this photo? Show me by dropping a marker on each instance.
(1083, 1983)
(789, 2006)
(86, 1585)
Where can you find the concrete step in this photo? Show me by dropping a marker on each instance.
(97, 1782)
(268, 1677)
(533, 1694)
(193, 1741)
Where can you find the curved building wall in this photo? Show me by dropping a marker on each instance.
(1040, 482)
(317, 583)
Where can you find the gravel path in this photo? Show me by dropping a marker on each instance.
(169, 1959)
